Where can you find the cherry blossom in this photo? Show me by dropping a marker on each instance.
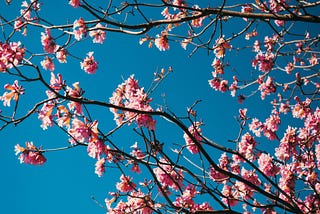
(130, 95)
(265, 61)
(30, 154)
(48, 42)
(267, 166)
(47, 64)
(195, 131)
(167, 176)
(15, 91)
(99, 167)
(220, 47)
(89, 64)
(97, 34)
(75, 92)
(11, 54)
(61, 55)
(126, 184)
(161, 42)
(79, 29)
(74, 3)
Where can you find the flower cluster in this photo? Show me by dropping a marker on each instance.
(130, 95)
(98, 35)
(264, 61)
(168, 176)
(30, 154)
(79, 29)
(161, 42)
(11, 54)
(89, 64)
(48, 42)
(186, 200)
(137, 202)
(196, 132)
(220, 47)
(15, 91)
(218, 84)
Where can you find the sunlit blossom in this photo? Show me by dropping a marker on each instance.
(89, 64)
(15, 90)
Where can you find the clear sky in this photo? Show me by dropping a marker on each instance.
(67, 181)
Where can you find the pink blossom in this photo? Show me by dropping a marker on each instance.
(256, 127)
(99, 167)
(89, 64)
(11, 54)
(136, 152)
(251, 34)
(317, 153)
(63, 116)
(229, 197)
(15, 91)
(247, 146)
(267, 166)
(256, 46)
(137, 203)
(265, 61)
(267, 87)
(246, 9)
(168, 176)
(61, 55)
(48, 42)
(57, 83)
(289, 67)
(280, 23)
(186, 200)
(218, 84)
(166, 13)
(271, 124)
(269, 42)
(288, 144)
(185, 42)
(179, 3)
(95, 147)
(74, 3)
(86, 132)
(278, 5)
(216, 175)
(218, 67)
(301, 109)
(18, 24)
(130, 95)
(313, 60)
(161, 42)
(220, 47)
(287, 181)
(97, 34)
(197, 22)
(196, 132)
(47, 64)
(126, 184)
(30, 154)
(45, 115)
(76, 92)
(79, 29)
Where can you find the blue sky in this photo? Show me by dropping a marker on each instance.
(67, 181)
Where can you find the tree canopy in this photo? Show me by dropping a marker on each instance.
(184, 106)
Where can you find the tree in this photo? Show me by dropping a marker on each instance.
(268, 165)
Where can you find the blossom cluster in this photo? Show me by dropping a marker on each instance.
(11, 54)
(30, 154)
(130, 95)
(15, 91)
(195, 131)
